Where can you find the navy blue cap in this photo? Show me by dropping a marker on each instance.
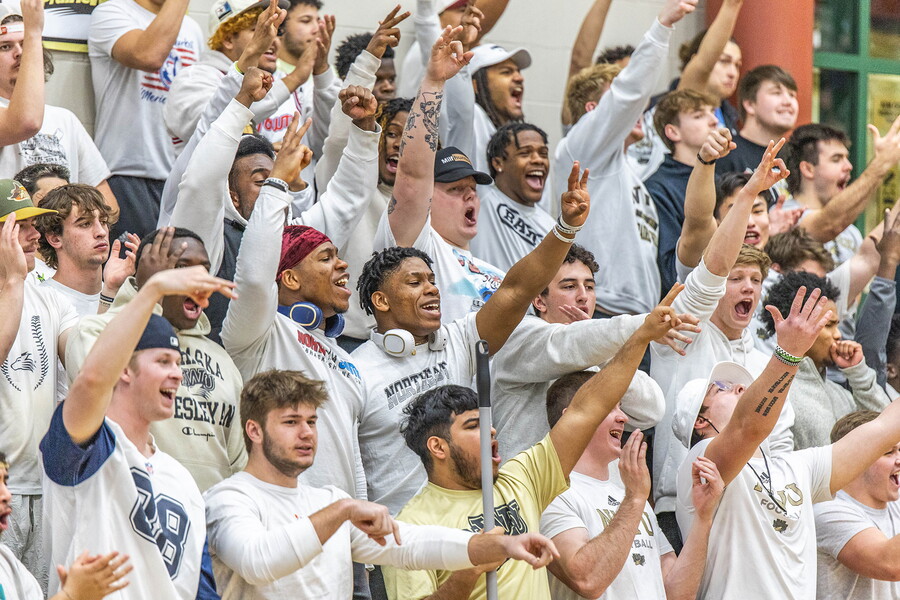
(159, 333)
(450, 165)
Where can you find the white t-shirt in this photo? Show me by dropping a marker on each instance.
(591, 504)
(28, 383)
(16, 582)
(507, 230)
(130, 130)
(62, 140)
(844, 246)
(264, 547)
(836, 524)
(466, 282)
(84, 305)
(105, 495)
(394, 473)
(756, 550)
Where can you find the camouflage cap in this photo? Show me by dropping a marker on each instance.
(15, 198)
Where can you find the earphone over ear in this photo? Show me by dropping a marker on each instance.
(399, 342)
(309, 316)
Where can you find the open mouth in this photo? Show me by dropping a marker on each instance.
(516, 95)
(895, 479)
(535, 179)
(433, 308)
(471, 219)
(4, 519)
(391, 164)
(341, 284)
(751, 237)
(743, 308)
(169, 393)
(192, 310)
(843, 183)
(495, 452)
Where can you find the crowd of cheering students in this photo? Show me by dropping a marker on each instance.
(240, 322)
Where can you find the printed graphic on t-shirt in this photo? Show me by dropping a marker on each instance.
(44, 148)
(644, 538)
(648, 226)
(780, 501)
(161, 520)
(412, 385)
(276, 123)
(37, 361)
(511, 218)
(508, 516)
(328, 356)
(482, 283)
(155, 86)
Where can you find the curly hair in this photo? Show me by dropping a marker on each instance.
(506, 135)
(379, 267)
(350, 48)
(243, 21)
(62, 200)
(431, 414)
(580, 254)
(781, 295)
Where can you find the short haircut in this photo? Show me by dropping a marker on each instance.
(352, 47)
(29, 176)
(669, 108)
(505, 135)
(87, 198)
(249, 145)
(728, 185)
(317, 4)
(587, 85)
(804, 146)
(893, 340)
(578, 253)
(379, 267)
(561, 392)
(180, 232)
(791, 248)
(851, 421)
(431, 414)
(614, 54)
(275, 389)
(782, 293)
(753, 80)
(753, 256)
(243, 21)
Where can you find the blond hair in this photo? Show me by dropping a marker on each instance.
(751, 255)
(588, 85)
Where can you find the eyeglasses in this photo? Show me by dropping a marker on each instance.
(722, 386)
(703, 419)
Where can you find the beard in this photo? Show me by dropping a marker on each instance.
(286, 465)
(467, 468)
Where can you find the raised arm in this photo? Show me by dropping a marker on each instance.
(90, 393)
(492, 11)
(759, 407)
(14, 270)
(326, 87)
(826, 223)
(147, 49)
(584, 46)
(534, 272)
(726, 242)
(25, 114)
(696, 73)
(856, 451)
(602, 392)
(700, 199)
(409, 207)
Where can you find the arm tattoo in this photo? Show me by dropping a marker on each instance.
(392, 205)
(428, 111)
(765, 405)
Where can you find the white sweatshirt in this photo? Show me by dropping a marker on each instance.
(259, 338)
(623, 228)
(700, 296)
(264, 545)
(537, 353)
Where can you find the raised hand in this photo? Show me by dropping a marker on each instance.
(770, 171)
(254, 87)
(117, 270)
(707, 488)
(358, 103)
(674, 10)
(387, 34)
(633, 467)
(13, 265)
(846, 353)
(574, 313)
(447, 56)
(797, 332)
(293, 156)
(264, 35)
(662, 318)
(193, 282)
(781, 219)
(887, 148)
(717, 145)
(575, 203)
(323, 43)
(94, 577)
(32, 15)
(471, 24)
(374, 520)
(674, 338)
(160, 254)
(889, 244)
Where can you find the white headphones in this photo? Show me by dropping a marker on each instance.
(399, 342)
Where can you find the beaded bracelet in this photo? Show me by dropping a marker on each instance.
(704, 162)
(786, 357)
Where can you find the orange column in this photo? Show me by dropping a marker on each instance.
(778, 32)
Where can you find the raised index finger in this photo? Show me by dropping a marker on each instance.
(673, 293)
(573, 175)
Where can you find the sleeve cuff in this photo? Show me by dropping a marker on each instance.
(363, 144)
(456, 550)
(368, 62)
(705, 277)
(304, 540)
(233, 120)
(324, 80)
(856, 372)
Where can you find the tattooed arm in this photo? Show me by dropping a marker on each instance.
(409, 206)
(757, 410)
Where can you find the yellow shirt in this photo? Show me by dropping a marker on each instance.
(524, 488)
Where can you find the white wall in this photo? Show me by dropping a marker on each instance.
(547, 29)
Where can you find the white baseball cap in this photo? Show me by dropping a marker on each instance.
(690, 398)
(643, 402)
(7, 9)
(488, 55)
(223, 11)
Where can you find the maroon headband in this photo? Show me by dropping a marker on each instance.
(297, 242)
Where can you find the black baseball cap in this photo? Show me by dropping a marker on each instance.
(158, 333)
(450, 165)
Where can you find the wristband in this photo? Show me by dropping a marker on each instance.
(786, 357)
(237, 68)
(566, 228)
(703, 162)
(559, 235)
(104, 299)
(280, 184)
